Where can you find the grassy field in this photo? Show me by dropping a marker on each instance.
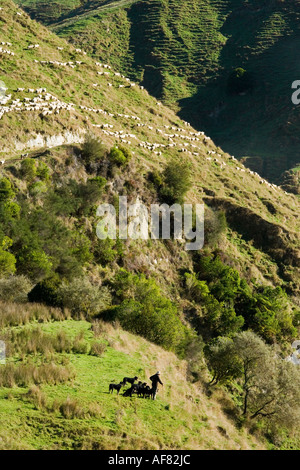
(81, 414)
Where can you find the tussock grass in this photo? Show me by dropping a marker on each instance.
(33, 341)
(23, 375)
(13, 314)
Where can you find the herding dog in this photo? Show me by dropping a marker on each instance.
(117, 387)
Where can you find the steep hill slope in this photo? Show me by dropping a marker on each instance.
(184, 53)
(246, 278)
(82, 95)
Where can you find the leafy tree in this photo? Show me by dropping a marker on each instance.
(46, 292)
(144, 311)
(177, 182)
(222, 361)
(7, 259)
(15, 289)
(269, 386)
(28, 170)
(84, 298)
(117, 157)
(240, 81)
(92, 150)
(6, 190)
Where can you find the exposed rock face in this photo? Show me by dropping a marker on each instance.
(41, 141)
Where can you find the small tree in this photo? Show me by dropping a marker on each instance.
(240, 81)
(84, 298)
(28, 169)
(117, 157)
(92, 149)
(15, 289)
(177, 182)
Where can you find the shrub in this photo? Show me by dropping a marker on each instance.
(37, 397)
(16, 315)
(176, 182)
(215, 226)
(146, 312)
(240, 81)
(82, 297)
(37, 188)
(23, 375)
(198, 290)
(97, 349)
(43, 172)
(6, 190)
(7, 260)
(15, 289)
(35, 263)
(46, 291)
(92, 150)
(117, 157)
(28, 170)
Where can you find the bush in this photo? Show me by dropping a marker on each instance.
(215, 226)
(43, 171)
(46, 291)
(176, 182)
(23, 375)
(15, 289)
(240, 81)
(36, 264)
(106, 251)
(117, 157)
(7, 260)
(28, 170)
(84, 298)
(146, 312)
(92, 149)
(6, 190)
(97, 349)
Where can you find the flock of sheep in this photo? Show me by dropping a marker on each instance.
(44, 103)
(6, 51)
(47, 104)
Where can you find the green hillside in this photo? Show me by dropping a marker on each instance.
(80, 413)
(76, 133)
(184, 53)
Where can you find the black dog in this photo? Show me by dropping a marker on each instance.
(129, 380)
(129, 391)
(147, 392)
(117, 387)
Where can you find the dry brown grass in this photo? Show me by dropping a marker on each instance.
(24, 375)
(13, 314)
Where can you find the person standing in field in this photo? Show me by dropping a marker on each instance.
(155, 379)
